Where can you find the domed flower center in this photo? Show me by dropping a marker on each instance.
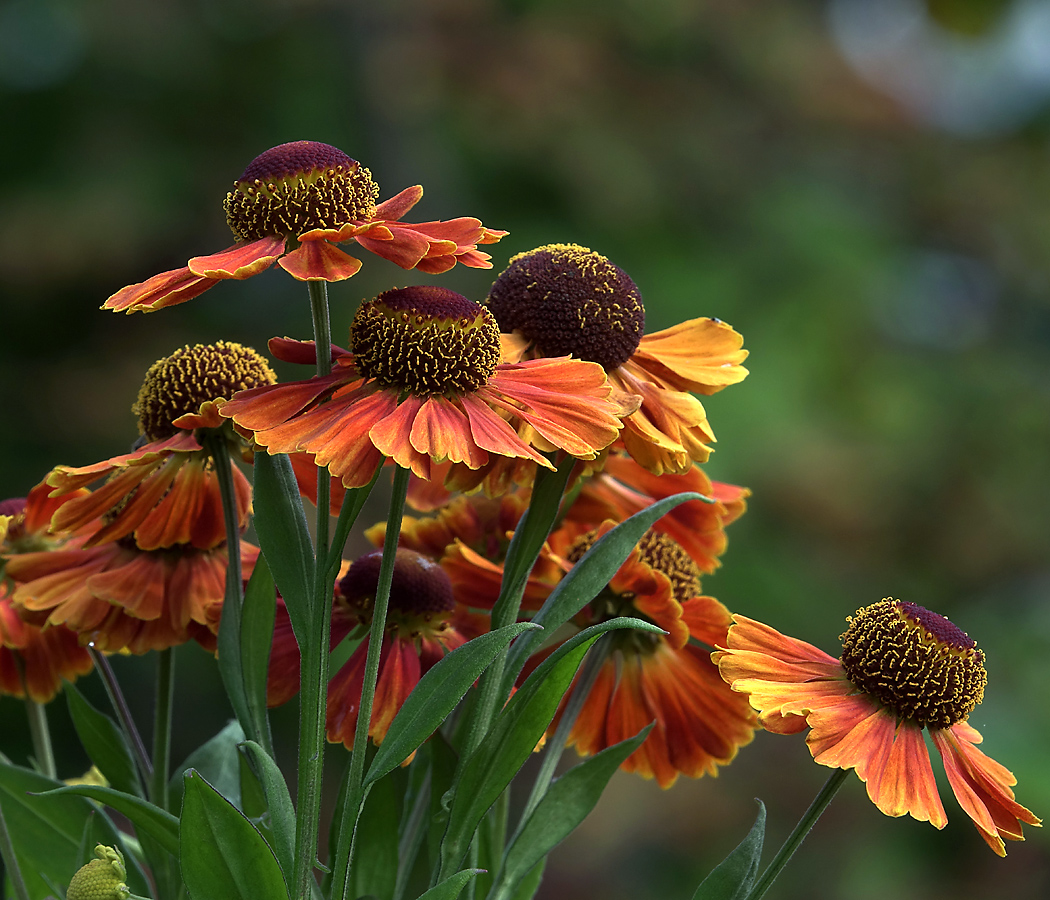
(420, 592)
(914, 661)
(180, 383)
(567, 299)
(659, 552)
(297, 187)
(426, 340)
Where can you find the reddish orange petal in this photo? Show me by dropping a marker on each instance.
(629, 713)
(262, 408)
(391, 435)
(344, 698)
(588, 733)
(398, 674)
(905, 785)
(404, 248)
(166, 289)
(319, 261)
(492, 433)
(395, 207)
(437, 265)
(442, 432)
(983, 787)
(239, 261)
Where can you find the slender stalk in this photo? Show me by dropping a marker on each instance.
(45, 757)
(162, 727)
(7, 854)
(794, 840)
(120, 707)
(38, 730)
(314, 674)
(354, 793)
(412, 838)
(522, 554)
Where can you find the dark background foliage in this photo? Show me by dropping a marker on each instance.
(859, 188)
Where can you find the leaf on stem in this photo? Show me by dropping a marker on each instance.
(734, 876)
(104, 743)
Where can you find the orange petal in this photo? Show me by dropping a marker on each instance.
(905, 785)
(983, 788)
(395, 207)
(701, 355)
(262, 408)
(319, 261)
(492, 433)
(239, 261)
(165, 289)
(405, 247)
(442, 432)
(391, 436)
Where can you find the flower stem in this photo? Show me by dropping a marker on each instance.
(354, 792)
(795, 839)
(162, 727)
(314, 673)
(45, 757)
(120, 707)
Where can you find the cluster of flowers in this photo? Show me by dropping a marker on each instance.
(472, 398)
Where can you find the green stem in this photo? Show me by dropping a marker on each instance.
(162, 727)
(123, 711)
(45, 757)
(314, 672)
(808, 820)
(38, 730)
(522, 554)
(355, 793)
(7, 854)
(412, 838)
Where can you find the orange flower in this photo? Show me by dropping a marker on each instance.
(566, 299)
(650, 677)
(425, 384)
(624, 487)
(903, 670)
(148, 570)
(422, 625)
(33, 661)
(291, 206)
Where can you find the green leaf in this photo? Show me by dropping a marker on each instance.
(436, 695)
(46, 833)
(284, 536)
(147, 818)
(587, 578)
(526, 890)
(246, 687)
(450, 888)
(734, 876)
(373, 871)
(104, 743)
(218, 761)
(222, 855)
(514, 736)
(443, 764)
(278, 802)
(567, 802)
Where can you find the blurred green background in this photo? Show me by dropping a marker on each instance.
(859, 188)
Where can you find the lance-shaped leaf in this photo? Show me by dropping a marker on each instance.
(734, 876)
(278, 802)
(584, 581)
(222, 855)
(104, 743)
(566, 803)
(162, 826)
(218, 761)
(436, 695)
(284, 536)
(451, 887)
(513, 737)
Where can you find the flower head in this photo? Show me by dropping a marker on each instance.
(667, 679)
(292, 205)
(567, 299)
(424, 384)
(421, 626)
(904, 670)
(102, 878)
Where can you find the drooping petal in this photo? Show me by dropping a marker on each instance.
(166, 289)
(442, 432)
(391, 435)
(240, 261)
(983, 787)
(319, 261)
(905, 785)
(398, 674)
(492, 433)
(405, 247)
(263, 408)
